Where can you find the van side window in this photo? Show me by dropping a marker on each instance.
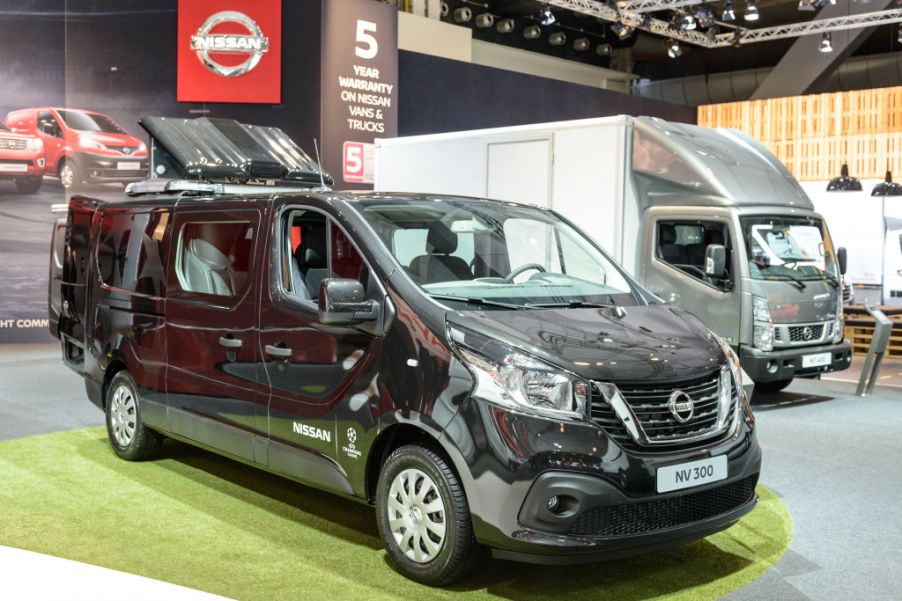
(683, 245)
(215, 258)
(48, 125)
(130, 252)
(315, 248)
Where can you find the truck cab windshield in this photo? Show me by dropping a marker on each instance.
(489, 254)
(789, 248)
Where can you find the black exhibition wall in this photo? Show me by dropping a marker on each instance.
(441, 95)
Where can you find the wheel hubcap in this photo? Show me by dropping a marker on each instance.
(416, 515)
(123, 415)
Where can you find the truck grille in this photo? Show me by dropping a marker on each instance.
(803, 333)
(660, 514)
(650, 404)
(13, 143)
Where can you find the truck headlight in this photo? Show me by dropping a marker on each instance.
(763, 331)
(34, 144)
(516, 380)
(837, 321)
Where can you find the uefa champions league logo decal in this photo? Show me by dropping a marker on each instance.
(351, 449)
(252, 44)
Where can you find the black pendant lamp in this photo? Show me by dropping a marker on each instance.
(887, 187)
(844, 183)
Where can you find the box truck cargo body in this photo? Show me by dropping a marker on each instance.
(707, 219)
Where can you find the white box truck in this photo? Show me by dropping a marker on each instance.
(706, 219)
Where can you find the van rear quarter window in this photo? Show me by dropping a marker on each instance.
(131, 253)
(215, 258)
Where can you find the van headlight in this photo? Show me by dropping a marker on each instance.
(837, 320)
(508, 377)
(763, 331)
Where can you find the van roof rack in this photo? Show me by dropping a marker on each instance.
(215, 150)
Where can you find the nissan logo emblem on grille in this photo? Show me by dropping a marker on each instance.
(252, 44)
(681, 406)
(807, 332)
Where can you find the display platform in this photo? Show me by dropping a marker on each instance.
(198, 520)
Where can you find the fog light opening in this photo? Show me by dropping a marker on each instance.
(562, 505)
(771, 367)
(554, 504)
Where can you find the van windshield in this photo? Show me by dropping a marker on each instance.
(492, 253)
(80, 121)
(789, 248)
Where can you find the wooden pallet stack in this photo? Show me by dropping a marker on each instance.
(814, 135)
(859, 329)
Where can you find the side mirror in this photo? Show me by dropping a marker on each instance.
(716, 260)
(343, 302)
(842, 259)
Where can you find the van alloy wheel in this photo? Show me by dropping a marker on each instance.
(67, 175)
(416, 515)
(123, 415)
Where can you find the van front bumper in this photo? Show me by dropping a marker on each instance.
(104, 168)
(607, 503)
(786, 363)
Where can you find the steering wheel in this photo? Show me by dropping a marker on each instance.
(510, 277)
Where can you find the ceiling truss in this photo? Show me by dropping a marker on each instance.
(631, 14)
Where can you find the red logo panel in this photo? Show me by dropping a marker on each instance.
(230, 51)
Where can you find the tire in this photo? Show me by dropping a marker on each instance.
(29, 185)
(424, 556)
(68, 174)
(123, 409)
(773, 386)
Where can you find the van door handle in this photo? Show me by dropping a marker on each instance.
(277, 351)
(230, 342)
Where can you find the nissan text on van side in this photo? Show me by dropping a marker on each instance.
(479, 371)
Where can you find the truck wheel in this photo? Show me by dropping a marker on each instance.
(129, 437)
(424, 518)
(773, 386)
(68, 174)
(29, 185)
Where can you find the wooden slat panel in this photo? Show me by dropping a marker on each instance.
(813, 135)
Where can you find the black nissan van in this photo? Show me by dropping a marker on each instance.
(479, 371)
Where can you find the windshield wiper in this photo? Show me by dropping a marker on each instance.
(475, 300)
(574, 304)
(796, 281)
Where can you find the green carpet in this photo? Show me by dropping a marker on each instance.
(195, 519)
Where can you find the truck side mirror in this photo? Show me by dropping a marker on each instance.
(343, 302)
(716, 260)
(841, 259)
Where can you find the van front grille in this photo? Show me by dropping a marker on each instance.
(650, 404)
(13, 143)
(661, 514)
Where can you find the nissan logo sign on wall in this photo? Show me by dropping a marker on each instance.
(250, 45)
(230, 51)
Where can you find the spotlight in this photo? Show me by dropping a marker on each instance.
(806, 5)
(581, 44)
(844, 183)
(532, 32)
(485, 20)
(899, 38)
(751, 11)
(546, 17)
(505, 26)
(463, 14)
(621, 31)
(687, 23)
(729, 13)
(705, 17)
(826, 44)
(604, 50)
(674, 50)
(558, 38)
